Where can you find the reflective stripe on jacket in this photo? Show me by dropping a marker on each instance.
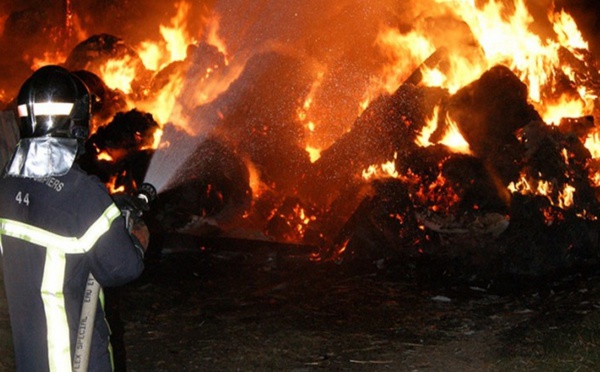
(53, 233)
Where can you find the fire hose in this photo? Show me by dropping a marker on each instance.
(132, 208)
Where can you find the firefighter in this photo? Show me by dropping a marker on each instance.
(58, 225)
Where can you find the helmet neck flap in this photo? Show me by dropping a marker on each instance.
(43, 157)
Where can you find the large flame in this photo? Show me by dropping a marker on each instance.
(504, 34)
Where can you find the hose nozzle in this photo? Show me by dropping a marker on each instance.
(147, 193)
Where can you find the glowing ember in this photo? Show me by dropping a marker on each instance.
(104, 156)
(561, 198)
(314, 153)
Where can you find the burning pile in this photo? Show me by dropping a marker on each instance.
(474, 144)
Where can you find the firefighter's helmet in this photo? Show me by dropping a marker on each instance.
(53, 102)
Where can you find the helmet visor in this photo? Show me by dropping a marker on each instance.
(46, 109)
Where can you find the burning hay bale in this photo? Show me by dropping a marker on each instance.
(104, 54)
(488, 112)
(470, 215)
(383, 227)
(211, 188)
(389, 125)
(106, 102)
(119, 153)
(257, 116)
(200, 59)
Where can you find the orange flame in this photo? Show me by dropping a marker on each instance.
(452, 138)
(313, 146)
(48, 58)
(119, 74)
(176, 36)
(313, 153)
(384, 170)
(562, 198)
(504, 34)
(213, 37)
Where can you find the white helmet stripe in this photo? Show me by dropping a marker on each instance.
(46, 108)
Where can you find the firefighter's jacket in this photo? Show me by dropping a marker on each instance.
(54, 231)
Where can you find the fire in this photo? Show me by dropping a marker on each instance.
(503, 32)
(112, 185)
(171, 102)
(567, 31)
(592, 143)
(506, 38)
(173, 47)
(164, 103)
(292, 223)
(157, 135)
(559, 198)
(429, 127)
(119, 74)
(313, 153)
(176, 37)
(452, 137)
(406, 51)
(104, 156)
(454, 140)
(213, 37)
(312, 144)
(151, 55)
(387, 169)
(566, 197)
(257, 186)
(495, 32)
(48, 58)
(565, 107)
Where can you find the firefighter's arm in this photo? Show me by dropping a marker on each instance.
(116, 259)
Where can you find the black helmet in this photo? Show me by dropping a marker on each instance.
(54, 102)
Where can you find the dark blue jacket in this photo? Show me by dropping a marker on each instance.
(53, 233)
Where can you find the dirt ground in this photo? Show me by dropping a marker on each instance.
(269, 308)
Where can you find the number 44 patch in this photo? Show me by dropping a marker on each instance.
(22, 198)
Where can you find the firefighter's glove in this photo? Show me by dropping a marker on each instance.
(126, 202)
(140, 234)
